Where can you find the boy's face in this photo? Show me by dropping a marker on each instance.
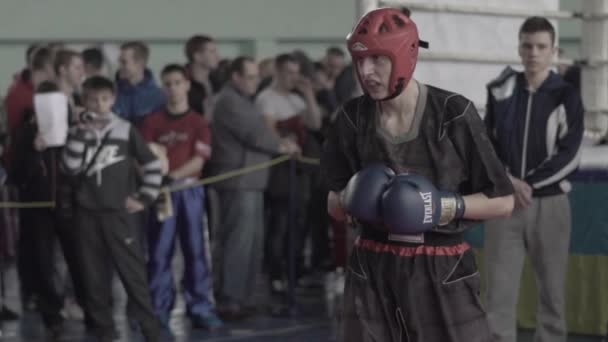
(375, 73)
(536, 51)
(320, 80)
(176, 86)
(208, 56)
(335, 65)
(288, 75)
(99, 101)
(74, 73)
(129, 65)
(247, 83)
(91, 70)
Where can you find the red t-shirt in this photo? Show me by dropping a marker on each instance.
(184, 136)
(18, 100)
(20, 97)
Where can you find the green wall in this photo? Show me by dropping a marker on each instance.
(260, 28)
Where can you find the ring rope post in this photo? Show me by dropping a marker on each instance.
(594, 76)
(364, 6)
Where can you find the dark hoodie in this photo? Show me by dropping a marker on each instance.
(536, 134)
(36, 173)
(29, 171)
(134, 102)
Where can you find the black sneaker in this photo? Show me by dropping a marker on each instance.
(209, 322)
(233, 312)
(55, 331)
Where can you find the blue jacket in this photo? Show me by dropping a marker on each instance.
(536, 134)
(134, 102)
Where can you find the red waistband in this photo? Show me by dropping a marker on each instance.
(382, 247)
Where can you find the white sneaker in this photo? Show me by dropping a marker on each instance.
(71, 310)
(278, 286)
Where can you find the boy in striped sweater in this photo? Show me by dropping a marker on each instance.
(101, 153)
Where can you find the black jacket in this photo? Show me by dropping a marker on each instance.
(537, 134)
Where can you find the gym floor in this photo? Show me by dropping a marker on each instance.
(309, 324)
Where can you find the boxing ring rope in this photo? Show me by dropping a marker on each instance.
(483, 10)
(594, 49)
(483, 59)
(496, 59)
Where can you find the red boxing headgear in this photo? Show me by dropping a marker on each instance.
(387, 32)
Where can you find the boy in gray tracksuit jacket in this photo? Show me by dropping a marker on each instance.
(100, 154)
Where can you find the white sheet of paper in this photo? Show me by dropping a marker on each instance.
(52, 117)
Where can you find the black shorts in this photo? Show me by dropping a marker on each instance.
(412, 293)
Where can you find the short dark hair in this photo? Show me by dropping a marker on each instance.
(30, 50)
(41, 59)
(237, 66)
(318, 66)
(97, 83)
(335, 51)
(283, 59)
(194, 44)
(93, 57)
(64, 58)
(171, 68)
(47, 87)
(538, 24)
(140, 49)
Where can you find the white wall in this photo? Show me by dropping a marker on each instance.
(471, 35)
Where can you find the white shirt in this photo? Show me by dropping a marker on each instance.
(279, 106)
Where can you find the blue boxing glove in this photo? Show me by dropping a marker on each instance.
(363, 193)
(413, 205)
